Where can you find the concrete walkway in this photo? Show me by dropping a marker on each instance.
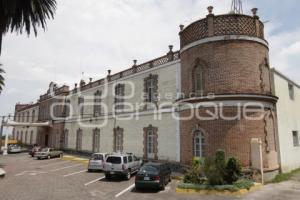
(289, 190)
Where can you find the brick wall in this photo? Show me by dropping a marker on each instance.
(229, 67)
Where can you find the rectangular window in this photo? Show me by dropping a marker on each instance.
(296, 139)
(291, 92)
(81, 106)
(97, 104)
(119, 97)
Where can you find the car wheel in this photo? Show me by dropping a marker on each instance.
(137, 188)
(163, 184)
(89, 170)
(107, 176)
(128, 175)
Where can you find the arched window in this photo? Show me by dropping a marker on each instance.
(26, 137)
(97, 103)
(31, 137)
(65, 139)
(81, 106)
(33, 116)
(27, 117)
(118, 139)
(198, 79)
(199, 143)
(79, 140)
(150, 143)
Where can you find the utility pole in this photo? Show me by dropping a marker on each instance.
(1, 131)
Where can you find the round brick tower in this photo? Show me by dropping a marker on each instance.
(224, 72)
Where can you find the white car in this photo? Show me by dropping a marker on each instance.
(2, 173)
(14, 149)
(97, 161)
(124, 165)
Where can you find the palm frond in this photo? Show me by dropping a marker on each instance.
(2, 84)
(26, 14)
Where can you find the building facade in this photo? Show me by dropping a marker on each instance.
(288, 115)
(26, 113)
(217, 92)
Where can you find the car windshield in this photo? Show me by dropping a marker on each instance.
(114, 160)
(149, 169)
(97, 157)
(44, 150)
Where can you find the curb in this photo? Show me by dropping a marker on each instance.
(76, 159)
(240, 192)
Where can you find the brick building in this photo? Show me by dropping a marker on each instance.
(182, 105)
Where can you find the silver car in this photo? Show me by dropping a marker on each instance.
(14, 149)
(121, 165)
(48, 153)
(97, 162)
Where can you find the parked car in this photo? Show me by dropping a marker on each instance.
(48, 153)
(14, 148)
(121, 165)
(153, 176)
(97, 161)
(34, 149)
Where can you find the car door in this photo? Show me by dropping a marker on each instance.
(131, 163)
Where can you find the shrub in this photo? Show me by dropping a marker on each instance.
(211, 172)
(195, 174)
(221, 163)
(232, 171)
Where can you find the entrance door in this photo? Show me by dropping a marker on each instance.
(46, 140)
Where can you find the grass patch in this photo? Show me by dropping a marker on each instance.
(285, 176)
(241, 184)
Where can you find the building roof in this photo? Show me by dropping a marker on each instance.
(285, 77)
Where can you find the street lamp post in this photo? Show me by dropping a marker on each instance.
(6, 139)
(1, 131)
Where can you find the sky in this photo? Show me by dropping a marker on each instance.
(87, 38)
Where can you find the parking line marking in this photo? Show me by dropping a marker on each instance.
(67, 175)
(94, 181)
(39, 161)
(55, 170)
(54, 164)
(126, 190)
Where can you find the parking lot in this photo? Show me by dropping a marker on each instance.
(29, 179)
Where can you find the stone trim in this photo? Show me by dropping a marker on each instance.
(155, 143)
(224, 38)
(116, 131)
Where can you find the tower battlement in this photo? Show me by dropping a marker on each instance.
(222, 25)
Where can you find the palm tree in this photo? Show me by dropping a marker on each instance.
(17, 15)
(1, 79)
